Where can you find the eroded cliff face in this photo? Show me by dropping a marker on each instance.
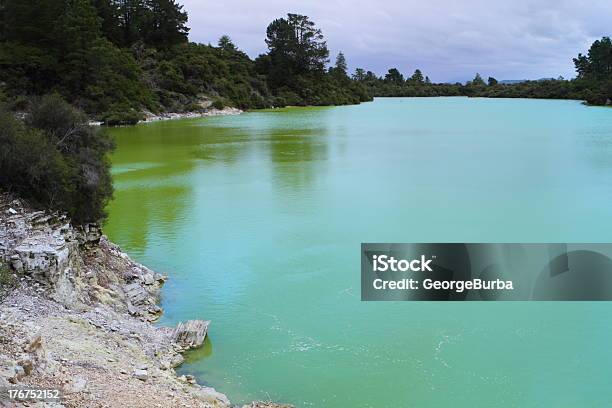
(78, 267)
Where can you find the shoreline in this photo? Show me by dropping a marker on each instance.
(227, 111)
(78, 317)
(151, 117)
(230, 111)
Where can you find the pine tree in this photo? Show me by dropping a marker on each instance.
(417, 77)
(341, 66)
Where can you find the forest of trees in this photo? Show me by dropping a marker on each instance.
(115, 58)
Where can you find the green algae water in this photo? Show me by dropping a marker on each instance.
(258, 220)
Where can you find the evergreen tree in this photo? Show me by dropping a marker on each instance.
(131, 18)
(417, 77)
(30, 22)
(393, 75)
(597, 64)
(477, 81)
(108, 11)
(370, 76)
(164, 23)
(78, 30)
(341, 66)
(226, 44)
(359, 75)
(296, 47)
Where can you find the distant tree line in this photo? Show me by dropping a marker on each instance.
(115, 58)
(592, 84)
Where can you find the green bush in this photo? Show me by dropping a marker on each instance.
(56, 160)
(7, 280)
(193, 107)
(218, 104)
(121, 115)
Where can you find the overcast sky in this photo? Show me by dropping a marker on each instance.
(449, 40)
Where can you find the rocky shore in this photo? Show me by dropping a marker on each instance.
(150, 117)
(208, 111)
(76, 314)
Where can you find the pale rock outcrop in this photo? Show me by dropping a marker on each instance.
(151, 117)
(77, 266)
(190, 334)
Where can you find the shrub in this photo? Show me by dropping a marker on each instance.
(121, 115)
(218, 104)
(193, 107)
(7, 280)
(56, 160)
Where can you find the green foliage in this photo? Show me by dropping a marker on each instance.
(294, 67)
(394, 76)
(184, 74)
(118, 80)
(56, 160)
(116, 58)
(417, 78)
(226, 44)
(155, 23)
(594, 93)
(7, 280)
(359, 75)
(341, 65)
(218, 103)
(113, 59)
(593, 84)
(296, 48)
(120, 114)
(70, 57)
(477, 81)
(597, 64)
(595, 72)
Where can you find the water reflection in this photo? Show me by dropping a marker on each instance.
(150, 174)
(297, 156)
(201, 352)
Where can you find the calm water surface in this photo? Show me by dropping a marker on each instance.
(258, 219)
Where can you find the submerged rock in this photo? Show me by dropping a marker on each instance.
(190, 334)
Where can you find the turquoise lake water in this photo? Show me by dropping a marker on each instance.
(258, 219)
